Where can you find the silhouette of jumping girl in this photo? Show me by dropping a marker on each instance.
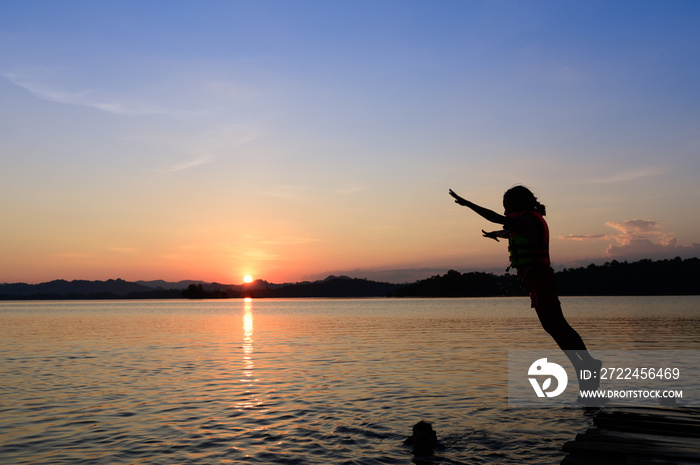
(528, 243)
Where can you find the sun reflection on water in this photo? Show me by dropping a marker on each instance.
(248, 379)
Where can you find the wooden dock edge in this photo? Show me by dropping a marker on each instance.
(638, 436)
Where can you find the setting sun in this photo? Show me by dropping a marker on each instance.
(248, 278)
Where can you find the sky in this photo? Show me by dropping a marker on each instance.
(290, 140)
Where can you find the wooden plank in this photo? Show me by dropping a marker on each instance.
(624, 450)
(638, 436)
(652, 422)
(681, 412)
(587, 460)
(598, 435)
(657, 461)
(670, 415)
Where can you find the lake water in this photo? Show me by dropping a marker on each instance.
(296, 381)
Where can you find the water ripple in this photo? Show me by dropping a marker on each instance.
(286, 382)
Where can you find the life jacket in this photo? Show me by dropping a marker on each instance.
(524, 251)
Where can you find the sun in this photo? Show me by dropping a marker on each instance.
(248, 278)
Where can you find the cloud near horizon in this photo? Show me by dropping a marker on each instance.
(638, 239)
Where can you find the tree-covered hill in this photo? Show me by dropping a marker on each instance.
(644, 277)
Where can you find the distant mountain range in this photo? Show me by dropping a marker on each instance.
(645, 277)
(332, 286)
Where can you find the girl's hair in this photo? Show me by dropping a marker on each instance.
(520, 198)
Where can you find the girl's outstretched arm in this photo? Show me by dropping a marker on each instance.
(503, 234)
(490, 215)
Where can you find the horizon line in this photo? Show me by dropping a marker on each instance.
(355, 272)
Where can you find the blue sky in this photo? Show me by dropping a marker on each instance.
(209, 140)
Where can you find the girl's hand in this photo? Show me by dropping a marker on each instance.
(459, 199)
(492, 235)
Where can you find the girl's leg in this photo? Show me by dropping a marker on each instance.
(543, 294)
(570, 342)
(544, 297)
(553, 321)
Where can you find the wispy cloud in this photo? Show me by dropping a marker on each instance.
(258, 254)
(204, 148)
(187, 164)
(287, 191)
(301, 192)
(349, 189)
(630, 175)
(585, 237)
(124, 250)
(86, 98)
(289, 240)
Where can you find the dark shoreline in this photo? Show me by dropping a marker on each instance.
(644, 277)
